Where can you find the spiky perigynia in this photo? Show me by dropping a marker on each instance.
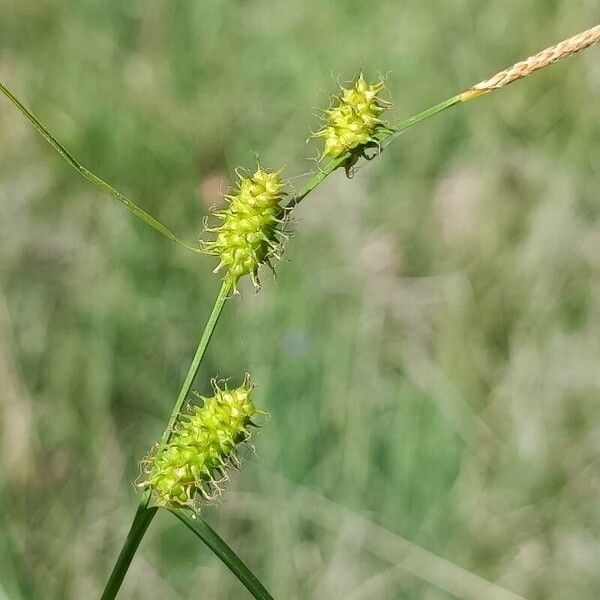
(353, 119)
(204, 443)
(249, 234)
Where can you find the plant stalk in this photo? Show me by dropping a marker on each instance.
(399, 127)
(145, 513)
(141, 521)
(200, 351)
(136, 533)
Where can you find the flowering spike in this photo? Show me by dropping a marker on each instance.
(249, 232)
(353, 118)
(203, 444)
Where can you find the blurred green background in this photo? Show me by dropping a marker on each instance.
(429, 355)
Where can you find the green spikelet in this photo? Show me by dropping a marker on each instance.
(203, 445)
(353, 119)
(249, 234)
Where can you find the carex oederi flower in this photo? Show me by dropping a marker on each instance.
(204, 444)
(250, 232)
(353, 118)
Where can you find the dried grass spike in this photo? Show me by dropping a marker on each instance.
(534, 63)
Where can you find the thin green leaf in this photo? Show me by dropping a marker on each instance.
(141, 521)
(105, 187)
(224, 552)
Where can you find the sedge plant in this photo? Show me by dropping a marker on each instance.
(203, 441)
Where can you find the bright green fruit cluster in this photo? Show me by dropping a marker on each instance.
(204, 443)
(353, 119)
(248, 235)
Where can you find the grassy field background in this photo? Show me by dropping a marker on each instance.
(429, 355)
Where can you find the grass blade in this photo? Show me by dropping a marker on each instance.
(105, 187)
(212, 539)
(143, 518)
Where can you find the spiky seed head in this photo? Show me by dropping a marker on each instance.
(249, 235)
(353, 118)
(203, 444)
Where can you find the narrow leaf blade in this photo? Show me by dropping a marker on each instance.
(212, 539)
(140, 213)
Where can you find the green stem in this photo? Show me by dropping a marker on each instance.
(145, 513)
(193, 369)
(142, 519)
(329, 168)
(202, 345)
(399, 127)
(105, 187)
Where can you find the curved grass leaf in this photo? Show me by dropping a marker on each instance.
(105, 187)
(212, 539)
